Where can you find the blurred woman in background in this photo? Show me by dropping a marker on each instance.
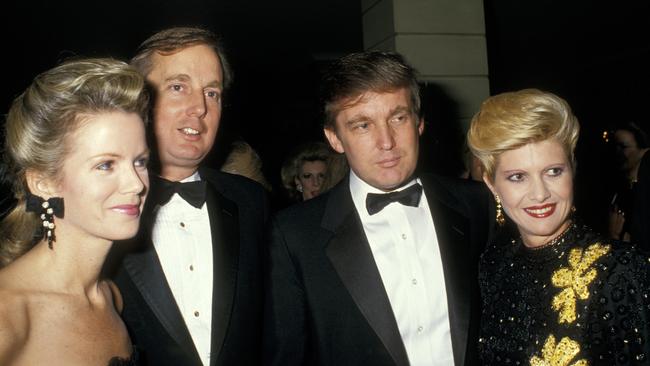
(304, 172)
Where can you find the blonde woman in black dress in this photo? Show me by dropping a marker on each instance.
(553, 291)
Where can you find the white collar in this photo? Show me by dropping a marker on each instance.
(360, 189)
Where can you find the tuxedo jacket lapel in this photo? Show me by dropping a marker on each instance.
(452, 231)
(351, 257)
(224, 226)
(146, 273)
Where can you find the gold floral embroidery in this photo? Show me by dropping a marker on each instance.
(575, 280)
(558, 355)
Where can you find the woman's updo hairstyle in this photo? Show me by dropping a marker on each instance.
(39, 121)
(511, 120)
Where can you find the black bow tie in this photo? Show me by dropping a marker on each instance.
(162, 191)
(410, 196)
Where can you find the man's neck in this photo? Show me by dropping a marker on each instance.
(176, 174)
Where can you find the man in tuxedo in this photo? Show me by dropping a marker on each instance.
(192, 287)
(382, 269)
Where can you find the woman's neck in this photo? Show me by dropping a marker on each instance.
(74, 264)
(553, 239)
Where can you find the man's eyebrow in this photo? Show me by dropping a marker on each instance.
(214, 84)
(400, 109)
(185, 77)
(357, 118)
(177, 77)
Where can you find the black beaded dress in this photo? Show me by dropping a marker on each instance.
(583, 300)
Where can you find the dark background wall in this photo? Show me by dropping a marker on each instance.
(594, 54)
(276, 49)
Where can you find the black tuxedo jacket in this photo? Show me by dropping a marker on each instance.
(237, 209)
(326, 303)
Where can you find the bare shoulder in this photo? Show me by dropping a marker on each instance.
(14, 324)
(116, 295)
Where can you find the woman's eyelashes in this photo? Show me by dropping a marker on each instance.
(105, 165)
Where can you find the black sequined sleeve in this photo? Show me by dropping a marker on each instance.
(618, 321)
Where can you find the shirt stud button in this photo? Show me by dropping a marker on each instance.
(196, 314)
(182, 224)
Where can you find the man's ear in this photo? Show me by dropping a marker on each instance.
(333, 140)
(421, 126)
(40, 185)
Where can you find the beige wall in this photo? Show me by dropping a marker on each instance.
(443, 39)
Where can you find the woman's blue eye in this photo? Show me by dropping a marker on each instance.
(108, 165)
(142, 162)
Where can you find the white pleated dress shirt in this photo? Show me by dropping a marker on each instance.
(182, 239)
(405, 248)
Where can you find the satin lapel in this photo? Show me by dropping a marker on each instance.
(147, 275)
(350, 254)
(224, 226)
(452, 231)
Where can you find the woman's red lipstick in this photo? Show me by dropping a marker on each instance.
(542, 211)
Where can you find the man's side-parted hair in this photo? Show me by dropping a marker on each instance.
(42, 118)
(511, 120)
(371, 71)
(172, 40)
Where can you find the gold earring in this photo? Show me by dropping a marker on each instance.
(500, 219)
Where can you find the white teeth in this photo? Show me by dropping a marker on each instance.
(540, 211)
(189, 131)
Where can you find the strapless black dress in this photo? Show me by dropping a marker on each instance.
(131, 361)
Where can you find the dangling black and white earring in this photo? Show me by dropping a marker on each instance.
(46, 209)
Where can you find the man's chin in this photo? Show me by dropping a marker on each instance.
(388, 186)
(178, 167)
(185, 159)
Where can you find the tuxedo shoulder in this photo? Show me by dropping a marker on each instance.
(223, 178)
(453, 183)
(233, 185)
(308, 211)
(464, 190)
(299, 229)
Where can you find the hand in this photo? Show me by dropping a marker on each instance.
(616, 222)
